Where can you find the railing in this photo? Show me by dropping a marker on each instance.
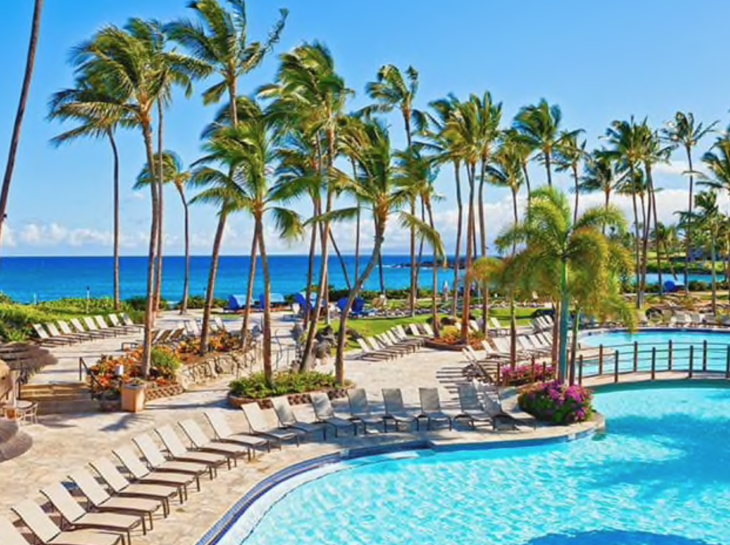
(95, 387)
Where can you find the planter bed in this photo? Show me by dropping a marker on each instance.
(294, 399)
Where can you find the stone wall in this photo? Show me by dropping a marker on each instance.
(214, 366)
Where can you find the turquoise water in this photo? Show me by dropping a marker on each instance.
(716, 360)
(661, 476)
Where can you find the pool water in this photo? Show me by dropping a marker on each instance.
(660, 476)
(717, 359)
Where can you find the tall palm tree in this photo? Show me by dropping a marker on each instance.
(392, 91)
(558, 250)
(70, 105)
(310, 93)
(539, 128)
(127, 61)
(17, 126)
(220, 40)
(685, 132)
(506, 171)
(377, 190)
(174, 173)
(602, 173)
(570, 155)
(521, 150)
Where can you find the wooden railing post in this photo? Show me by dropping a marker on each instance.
(600, 360)
(580, 369)
(653, 362)
(691, 360)
(615, 367)
(671, 356)
(532, 368)
(499, 372)
(636, 356)
(704, 356)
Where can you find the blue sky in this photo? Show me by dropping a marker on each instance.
(600, 61)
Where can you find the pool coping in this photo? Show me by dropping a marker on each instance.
(654, 329)
(267, 484)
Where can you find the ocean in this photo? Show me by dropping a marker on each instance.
(36, 279)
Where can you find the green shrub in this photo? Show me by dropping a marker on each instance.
(255, 387)
(198, 302)
(81, 306)
(165, 361)
(140, 303)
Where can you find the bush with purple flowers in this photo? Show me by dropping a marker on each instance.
(557, 403)
(527, 374)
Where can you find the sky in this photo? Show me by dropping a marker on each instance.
(599, 61)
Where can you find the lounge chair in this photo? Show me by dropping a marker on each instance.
(202, 443)
(471, 409)
(223, 432)
(402, 335)
(258, 426)
(56, 334)
(121, 486)
(325, 413)
(46, 339)
(143, 474)
(503, 347)
(428, 329)
(119, 326)
(104, 326)
(380, 348)
(395, 338)
(497, 327)
(9, 534)
(395, 409)
(289, 421)
(94, 334)
(48, 533)
(368, 353)
(101, 501)
(360, 409)
(389, 344)
(413, 328)
(491, 354)
(474, 326)
(431, 407)
(177, 450)
(71, 334)
(78, 519)
(492, 404)
(158, 462)
(127, 321)
(91, 325)
(527, 346)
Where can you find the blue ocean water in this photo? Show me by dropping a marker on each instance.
(29, 279)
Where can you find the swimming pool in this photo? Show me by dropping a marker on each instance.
(685, 345)
(659, 477)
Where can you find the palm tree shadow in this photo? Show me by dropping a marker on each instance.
(614, 537)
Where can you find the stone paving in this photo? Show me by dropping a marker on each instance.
(63, 443)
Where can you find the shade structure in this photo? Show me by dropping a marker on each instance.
(236, 302)
(275, 299)
(358, 306)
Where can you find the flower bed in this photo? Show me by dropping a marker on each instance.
(527, 374)
(557, 403)
(450, 339)
(296, 386)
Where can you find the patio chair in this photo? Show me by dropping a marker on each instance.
(91, 325)
(288, 420)
(497, 327)
(428, 329)
(143, 474)
(223, 432)
(491, 354)
(258, 426)
(158, 462)
(71, 334)
(471, 409)
(395, 338)
(360, 409)
(127, 321)
(474, 326)
(101, 501)
(9, 534)
(118, 325)
(401, 334)
(525, 346)
(56, 334)
(121, 486)
(201, 442)
(104, 326)
(379, 347)
(413, 328)
(78, 519)
(46, 339)
(395, 409)
(492, 404)
(390, 344)
(177, 450)
(325, 413)
(368, 353)
(431, 407)
(46, 531)
(76, 323)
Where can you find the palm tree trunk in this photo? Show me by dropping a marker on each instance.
(483, 246)
(547, 167)
(515, 214)
(310, 269)
(713, 252)
(636, 249)
(359, 283)
(341, 260)
(249, 289)
(470, 224)
(357, 223)
(564, 315)
(512, 330)
(20, 114)
(117, 287)
(527, 182)
(419, 260)
(607, 197)
(186, 219)
(555, 352)
(574, 168)
(149, 314)
(653, 217)
(268, 370)
(210, 294)
(574, 346)
(644, 243)
(382, 275)
(414, 279)
(161, 179)
(434, 305)
(459, 227)
(688, 235)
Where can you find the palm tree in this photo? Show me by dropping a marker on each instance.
(127, 61)
(559, 250)
(685, 132)
(390, 91)
(539, 128)
(709, 221)
(174, 172)
(506, 171)
(603, 173)
(665, 238)
(220, 41)
(309, 94)
(570, 154)
(377, 190)
(71, 105)
(25, 91)
(522, 151)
